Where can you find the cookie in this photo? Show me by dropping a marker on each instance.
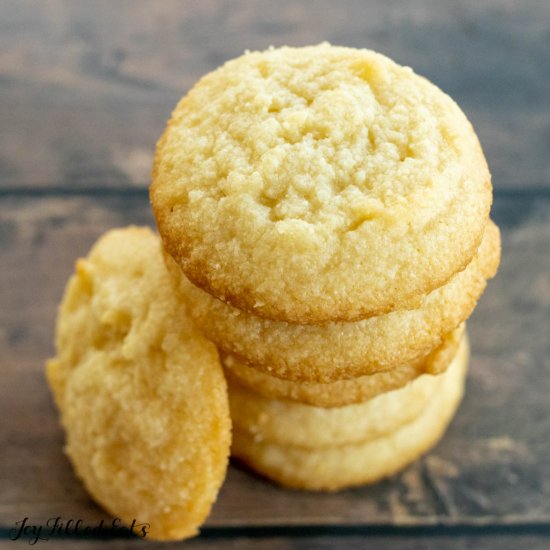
(319, 184)
(337, 467)
(342, 392)
(324, 353)
(293, 424)
(141, 392)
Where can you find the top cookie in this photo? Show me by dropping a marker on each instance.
(319, 183)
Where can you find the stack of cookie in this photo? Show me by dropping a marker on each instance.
(327, 449)
(325, 212)
(324, 216)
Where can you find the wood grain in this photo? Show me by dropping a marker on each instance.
(87, 86)
(460, 542)
(491, 468)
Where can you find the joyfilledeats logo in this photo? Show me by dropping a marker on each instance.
(57, 527)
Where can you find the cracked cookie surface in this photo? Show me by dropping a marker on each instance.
(141, 392)
(319, 184)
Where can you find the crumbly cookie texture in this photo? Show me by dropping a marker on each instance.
(340, 466)
(342, 392)
(142, 395)
(324, 353)
(284, 422)
(319, 184)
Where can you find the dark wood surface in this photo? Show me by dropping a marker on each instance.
(86, 88)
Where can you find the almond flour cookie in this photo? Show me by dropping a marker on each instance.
(337, 467)
(342, 392)
(324, 353)
(319, 184)
(297, 425)
(142, 395)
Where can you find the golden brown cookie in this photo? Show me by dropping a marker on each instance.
(324, 353)
(288, 423)
(319, 184)
(342, 392)
(142, 395)
(337, 467)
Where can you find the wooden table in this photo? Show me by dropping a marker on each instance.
(86, 88)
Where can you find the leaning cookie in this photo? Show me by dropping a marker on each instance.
(142, 395)
(319, 184)
(324, 353)
(337, 467)
(342, 392)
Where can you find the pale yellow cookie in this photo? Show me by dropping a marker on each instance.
(141, 393)
(287, 423)
(324, 353)
(319, 184)
(337, 467)
(342, 392)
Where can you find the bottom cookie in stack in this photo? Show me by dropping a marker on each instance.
(313, 448)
